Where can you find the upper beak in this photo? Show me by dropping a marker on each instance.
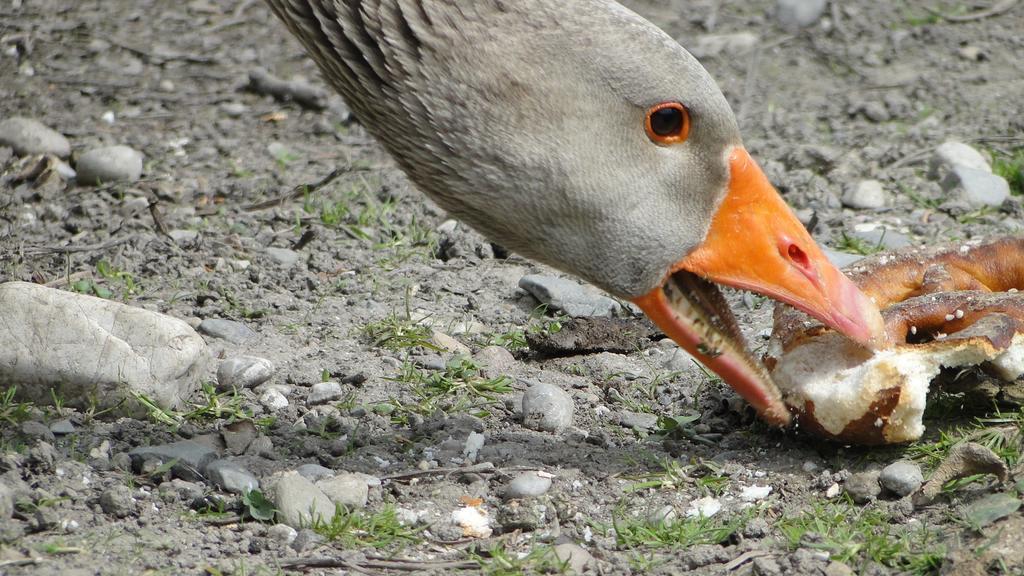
(756, 243)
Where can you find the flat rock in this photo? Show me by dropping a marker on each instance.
(85, 349)
(62, 427)
(189, 458)
(952, 153)
(27, 136)
(298, 501)
(901, 478)
(865, 195)
(528, 485)
(349, 490)
(231, 477)
(234, 332)
(109, 164)
(638, 421)
(243, 372)
(568, 296)
(795, 14)
(978, 188)
(324, 392)
(314, 472)
(547, 408)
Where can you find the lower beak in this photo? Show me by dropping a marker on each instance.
(756, 243)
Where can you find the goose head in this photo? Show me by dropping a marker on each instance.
(578, 134)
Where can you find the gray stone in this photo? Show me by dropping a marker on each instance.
(952, 153)
(37, 431)
(842, 259)
(568, 296)
(117, 501)
(283, 256)
(874, 111)
(314, 472)
(495, 360)
(708, 45)
(231, 477)
(836, 568)
(795, 14)
(62, 427)
(883, 237)
(527, 485)
(978, 188)
(547, 408)
(6, 502)
(901, 478)
(306, 539)
(324, 392)
(234, 332)
(184, 237)
(282, 533)
(89, 350)
(273, 399)
(238, 435)
(109, 164)
(243, 372)
(180, 490)
(638, 421)
(863, 487)
(348, 490)
(27, 136)
(865, 195)
(190, 458)
(298, 501)
(576, 557)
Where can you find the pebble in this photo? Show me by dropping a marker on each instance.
(101, 352)
(795, 14)
(184, 237)
(977, 187)
(902, 478)
(639, 421)
(865, 195)
(754, 493)
(874, 111)
(37, 431)
(27, 136)
(495, 360)
(324, 392)
(547, 408)
(234, 332)
(243, 372)
(109, 164)
(284, 256)
(661, 515)
(528, 485)
(863, 487)
(952, 153)
(314, 472)
(282, 533)
(449, 344)
(62, 427)
(348, 490)
(6, 502)
(231, 477)
(190, 458)
(568, 296)
(576, 557)
(887, 238)
(836, 568)
(306, 539)
(273, 400)
(117, 501)
(842, 259)
(298, 501)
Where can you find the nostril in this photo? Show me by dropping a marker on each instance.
(798, 257)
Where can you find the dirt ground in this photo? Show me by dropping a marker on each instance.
(865, 93)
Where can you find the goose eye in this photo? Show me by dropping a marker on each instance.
(668, 123)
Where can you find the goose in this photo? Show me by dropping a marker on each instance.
(578, 134)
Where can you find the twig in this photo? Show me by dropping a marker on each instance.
(483, 467)
(303, 94)
(375, 563)
(159, 58)
(995, 10)
(746, 557)
(303, 189)
(40, 250)
(22, 562)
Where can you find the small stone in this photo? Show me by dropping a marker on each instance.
(863, 487)
(282, 533)
(842, 259)
(576, 558)
(568, 296)
(639, 421)
(261, 446)
(37, 431)
(348, 490)
(6, 502)
(306, 539)
(298, 501)
(449, 344)
(109, 164)
(495, 360)
(62, 427)
(755, 493)
(705, 507)
(238, 435)
(875, 111)
(901, 478)
(952, 153)
(865, 195)
(286, 257)
(234, 332)
(243, 372)
(528, 485)
(793, 15)
(233, 109)
(474, 442)
(190, 458)
(324, 392)
(884, 238)
(766, 566)
(184, 237)
(314, 472)
(27, 136)
(231, 477)
(273, 400)
(662, 515)
(977, 187)
(835, 568)
(117, 501)
(972, 53)
(547, 408)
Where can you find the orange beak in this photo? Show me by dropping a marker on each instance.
(756, 243)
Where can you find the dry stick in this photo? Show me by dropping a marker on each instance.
(380, 564)
(746, 557)
(40, 250)
(996, 9)
(303, 189)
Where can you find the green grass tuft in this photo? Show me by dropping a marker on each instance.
(364, 529)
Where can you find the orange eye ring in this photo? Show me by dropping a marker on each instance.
(667, 123)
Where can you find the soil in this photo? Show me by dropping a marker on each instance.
(187, 241)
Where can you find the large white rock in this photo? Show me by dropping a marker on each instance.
(90, 350)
